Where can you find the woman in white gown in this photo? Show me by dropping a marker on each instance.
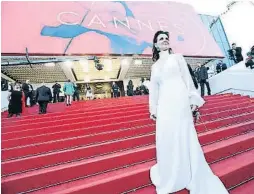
(89, 93)
(180, 159)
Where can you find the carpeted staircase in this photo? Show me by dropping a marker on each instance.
(107, 146)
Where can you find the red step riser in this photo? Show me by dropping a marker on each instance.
(200, 127)
(70, 155)
(25, 164)
(112, 116)
(12, 143)
(218, 96)
(62, 175)
(95, 129)
(81, 124)
(246, 188)
(66, 114)
(204, 110)
(151, 190)
(32, 132)
(90, 121)
(223, 103)
(235, 148)
(52, 177)
(116, 186)
(51, 137)
(59, 136)
(85, 115)
(103, 111)
(221, 123)
(58, 124)
(147, 190)
(226, 98)
(238, 176)
(204, 139)
(73, 112)
(88, 109)
(143, 178)
(77, 142)
(42, 148)
(225, 114)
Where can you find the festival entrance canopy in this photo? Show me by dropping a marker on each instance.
(35, 34)
(102, 28)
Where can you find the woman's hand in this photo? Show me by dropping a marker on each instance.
(153, 117)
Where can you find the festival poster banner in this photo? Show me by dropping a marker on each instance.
(116, 27)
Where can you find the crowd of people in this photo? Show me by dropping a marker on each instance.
(43, 95)
(235, 54)
(20, 93)
(24, 95)
(142, 89)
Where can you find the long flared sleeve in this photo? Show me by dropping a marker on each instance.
(195, 98)
(153, 93)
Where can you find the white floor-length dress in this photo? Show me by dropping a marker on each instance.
(180, 158)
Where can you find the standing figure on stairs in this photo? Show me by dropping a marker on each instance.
(15, 101)
(43, 97)
(56, 91)
(180, 160)
(202, 76)
(68, 92)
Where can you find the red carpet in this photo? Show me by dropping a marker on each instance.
(107, 146)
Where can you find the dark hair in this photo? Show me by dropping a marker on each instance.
(130, 83)
(233, 44)
(156, 55)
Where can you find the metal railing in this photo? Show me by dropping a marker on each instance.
(237, 91)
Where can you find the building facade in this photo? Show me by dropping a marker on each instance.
(219, 35)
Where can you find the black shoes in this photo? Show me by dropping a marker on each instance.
(10, 115)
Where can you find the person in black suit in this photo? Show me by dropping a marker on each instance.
(43, 97)
(220, 66)
(202, 75)
(28, 91)
(115, 90)
(76, 92)
(56, 91)
(235, 53)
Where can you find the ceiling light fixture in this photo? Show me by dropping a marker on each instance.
(49, 64)
(138, 62)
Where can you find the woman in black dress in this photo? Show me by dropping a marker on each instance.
(15, 101)
(130, 88)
